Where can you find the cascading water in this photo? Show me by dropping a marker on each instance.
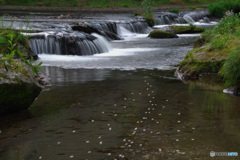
(106, 26)
(135, 26)
(188, 19)
(64, 43)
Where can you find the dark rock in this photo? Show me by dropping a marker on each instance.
(162, 34)
(18, 90)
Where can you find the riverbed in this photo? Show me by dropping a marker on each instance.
(124, 104)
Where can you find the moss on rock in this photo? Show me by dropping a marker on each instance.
(205, 60)
(162, 34)
(186, 29)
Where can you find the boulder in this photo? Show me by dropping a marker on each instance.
(18, 89)
(162, 34)
(186, 29)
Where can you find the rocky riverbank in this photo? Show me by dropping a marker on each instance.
(214, 53)
(19, 86)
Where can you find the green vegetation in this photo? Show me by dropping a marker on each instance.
(162, 34)
(148, 12)
(217, 51)
(231, 68)
(175, 10)
(219, 8)
(10, 42)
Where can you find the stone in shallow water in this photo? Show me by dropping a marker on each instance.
(162, 34)
(18, 91)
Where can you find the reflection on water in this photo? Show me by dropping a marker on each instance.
(112, 114)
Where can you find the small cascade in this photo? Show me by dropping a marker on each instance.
(65, 43)
(124, 32)
(181, 20)
(109, 30)
(162, 20)
(206, 20)
(105, 26)
(135, 26)
(167, 18)
(188, 19)
(196, 15)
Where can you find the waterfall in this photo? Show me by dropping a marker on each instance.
(162, 20)
(105, 26)
(109, 30)
(65, 43)
(188, 19)
(135, 26)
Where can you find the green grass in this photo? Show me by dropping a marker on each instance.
(231, 69)
(175, 10)
(217, 51)
(218, 8)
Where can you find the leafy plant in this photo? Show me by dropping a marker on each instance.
(7, 58)
(9, 40)
(147, 12)
(136, 13)
(146, 7)
(175, 10)
(192, 26)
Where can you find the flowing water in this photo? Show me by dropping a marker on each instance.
(123, 104)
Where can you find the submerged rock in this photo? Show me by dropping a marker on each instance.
(18, 90)
(162, 34)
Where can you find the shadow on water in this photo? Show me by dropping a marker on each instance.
(113, 114)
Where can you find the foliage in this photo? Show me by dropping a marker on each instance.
(223, 38)
(9, 42)
(147, 12)
(136, 13)
(193, 27)
(218, 8)
(231, 69)
(7, 57)
(146, 7)
(227, 27)
(175, 10)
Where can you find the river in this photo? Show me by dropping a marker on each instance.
(123, 104)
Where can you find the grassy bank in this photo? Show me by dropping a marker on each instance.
(216, 51)
(99, 3)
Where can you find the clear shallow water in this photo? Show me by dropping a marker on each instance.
(125, 103)
(105, 114)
